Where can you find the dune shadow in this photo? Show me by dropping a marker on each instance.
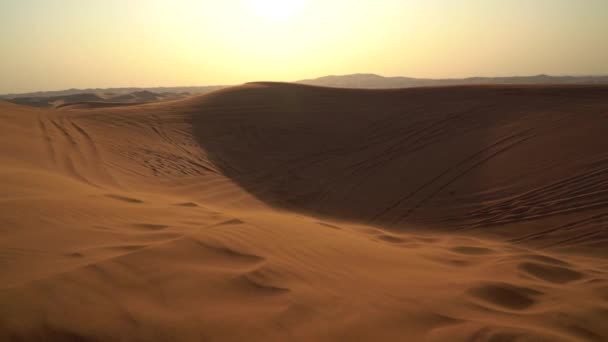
(454, 158)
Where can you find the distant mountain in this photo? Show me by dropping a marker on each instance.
(376, 81)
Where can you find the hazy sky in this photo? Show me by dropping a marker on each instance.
(58, 44)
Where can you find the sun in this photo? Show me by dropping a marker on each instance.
(275, 9)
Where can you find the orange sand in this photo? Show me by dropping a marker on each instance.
(290, 212)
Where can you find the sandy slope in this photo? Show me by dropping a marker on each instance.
(283, 212)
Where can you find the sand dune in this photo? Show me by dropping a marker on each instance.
(95, 104)
(289, 212)
(112, 92)
(98, 99)
(468, 158)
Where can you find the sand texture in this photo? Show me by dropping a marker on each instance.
(282, 212)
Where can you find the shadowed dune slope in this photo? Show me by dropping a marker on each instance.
(274, 212)
(457, 158)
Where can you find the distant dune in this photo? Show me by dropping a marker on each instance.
(57, 100)
(372, 81)
(105, 92)
(111, 96)
(96, 104)
(274, 211)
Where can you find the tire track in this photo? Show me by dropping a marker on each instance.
(422, 138)
(598, 219)
(93, 159)
(47, 139)
(460, 175)
(64, 132)
(590, 193)
(190, 158)
(65, 139)
(86, 136)
(447, 171)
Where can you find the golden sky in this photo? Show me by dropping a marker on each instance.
(59, 44)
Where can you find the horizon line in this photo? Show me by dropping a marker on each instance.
(305, 79)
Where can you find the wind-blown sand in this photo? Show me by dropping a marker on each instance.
(290, 212)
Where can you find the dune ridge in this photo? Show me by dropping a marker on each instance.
(288, 212)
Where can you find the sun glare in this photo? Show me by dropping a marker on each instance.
(275, 9)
